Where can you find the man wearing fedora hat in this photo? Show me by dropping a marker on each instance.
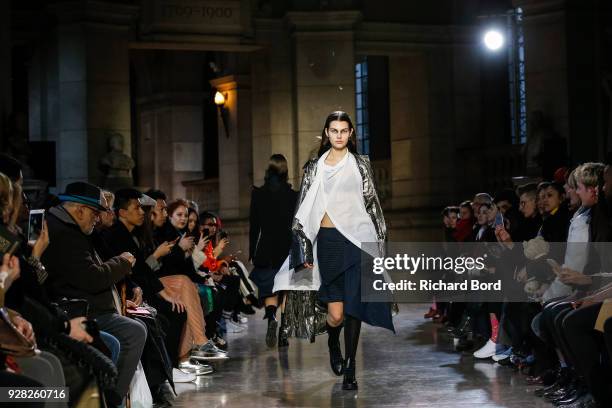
(77, 271)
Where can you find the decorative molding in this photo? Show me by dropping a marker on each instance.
(231, 82)
(201, 43)
(323, 20)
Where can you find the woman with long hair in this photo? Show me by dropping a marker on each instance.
(178, 276)
(193, 223)
(338, 210)
(272, 207)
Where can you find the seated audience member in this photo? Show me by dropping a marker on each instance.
(127, 235)
(178, 277)
(76, 271)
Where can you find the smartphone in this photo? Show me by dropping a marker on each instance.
(206, 232)
(499, 219)
(35, 224)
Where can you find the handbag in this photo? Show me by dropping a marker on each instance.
(297, 257)
(12, 342)
(73, 307)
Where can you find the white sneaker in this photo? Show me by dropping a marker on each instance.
(502, 355)
(242, 319)
(233, 327)
(486, 351)
(179, 376)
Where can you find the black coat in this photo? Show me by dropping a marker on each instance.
(75, 269)
(120, 240)
(527, 228)
(554, 230)
(272, 209)
(556, 226)
(175, 263)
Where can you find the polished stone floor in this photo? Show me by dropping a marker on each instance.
(413, 368)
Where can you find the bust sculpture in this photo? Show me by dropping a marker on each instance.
(116, 165)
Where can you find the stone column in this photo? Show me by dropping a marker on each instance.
(410, 144)
(5, 63)
(422, 145)
(235, 147)
(272, 95)
(93, 91)
(324, 49)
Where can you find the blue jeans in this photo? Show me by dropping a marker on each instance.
(113, 345)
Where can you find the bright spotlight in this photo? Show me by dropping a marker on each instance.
(493, 40)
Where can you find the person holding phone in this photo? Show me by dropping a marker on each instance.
(177, 274)
(76, 271)
(35, 225)
(228, 300)
(330, 232)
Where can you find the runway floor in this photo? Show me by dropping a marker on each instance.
(414, 368)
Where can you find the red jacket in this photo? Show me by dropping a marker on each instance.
(463, 229)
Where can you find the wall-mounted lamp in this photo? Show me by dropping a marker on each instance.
(220, 99)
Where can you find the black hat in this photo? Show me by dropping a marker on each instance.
(84, 193)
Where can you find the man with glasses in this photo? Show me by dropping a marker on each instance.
(76, 271)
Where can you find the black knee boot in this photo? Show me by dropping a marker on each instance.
(335, 354)
(352, 327)
(272, 326)
(283, 335)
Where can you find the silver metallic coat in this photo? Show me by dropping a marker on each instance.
(370, 199)
(303, 317)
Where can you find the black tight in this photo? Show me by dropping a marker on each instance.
(352, 328)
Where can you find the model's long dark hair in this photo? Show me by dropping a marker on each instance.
(340, 116)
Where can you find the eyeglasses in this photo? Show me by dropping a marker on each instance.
(343, 132)
(94, 211)
(209, 225)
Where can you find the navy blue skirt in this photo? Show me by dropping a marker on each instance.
(339, 262)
